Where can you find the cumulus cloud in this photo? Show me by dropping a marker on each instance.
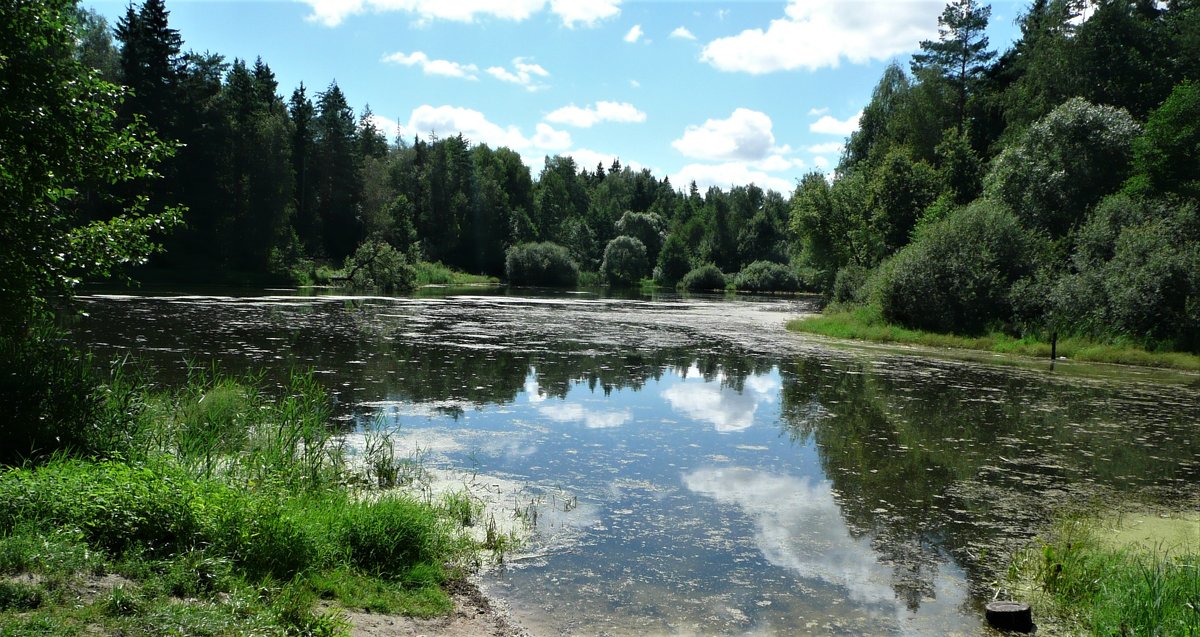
(429, 66)
(452, 120)
(634, 34)
(744, 135)
(814, 111)
(586, 117)
(729, 174)
(683, 33)
(814, 34)
(331, 13)
(830, 125)
(585, 12)
(524, 74)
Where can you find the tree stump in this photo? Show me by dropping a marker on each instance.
(1010, 616)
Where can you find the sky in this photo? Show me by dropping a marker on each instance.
(720, 92)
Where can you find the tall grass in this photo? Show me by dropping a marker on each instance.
(1107, 590)
(225, 492)
(438, 274)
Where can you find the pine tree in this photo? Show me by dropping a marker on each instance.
(961, 53)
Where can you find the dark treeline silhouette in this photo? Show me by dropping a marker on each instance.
(1049, 188)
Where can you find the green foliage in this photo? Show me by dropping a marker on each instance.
(707, 277)
(395, 537)
(58, 400)
(646, 227)
(376, 265)
(543, 263)
(1064, 164)
(960, 56)
(673, 261)
(427, 273)
(59, 136)
(849, 284)
(625, 262)
(765, 276)
(955, 277)
(1164, 156)
(901, 190)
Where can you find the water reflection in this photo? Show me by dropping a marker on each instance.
(731, 478)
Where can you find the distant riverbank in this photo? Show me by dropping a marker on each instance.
(860, 325)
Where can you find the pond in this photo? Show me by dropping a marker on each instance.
(694, 468)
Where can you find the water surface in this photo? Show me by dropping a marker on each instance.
(695, 469)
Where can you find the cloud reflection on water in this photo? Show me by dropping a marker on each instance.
(727, 409)
(799, 527)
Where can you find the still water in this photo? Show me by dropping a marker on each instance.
(696, 469)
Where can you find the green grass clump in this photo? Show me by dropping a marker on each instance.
(1090, 585)
(865, 323)
(232, 513)
(437, 274)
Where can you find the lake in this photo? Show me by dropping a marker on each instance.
(687, 466)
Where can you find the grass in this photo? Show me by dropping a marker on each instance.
(228, 512)
(438, 274)
(865, 324)
(1083, 579)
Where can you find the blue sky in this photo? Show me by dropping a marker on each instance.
(717, 92)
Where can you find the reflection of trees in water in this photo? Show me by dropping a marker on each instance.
(928, 457)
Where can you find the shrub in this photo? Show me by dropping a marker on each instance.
(705, 277)
(766, 276)
(1065, 163)
(646, 227)
(55, 399)
(376, 265)
(543, 263)
(625, 261)
(956, 276)
(849, 284)
(673, 261)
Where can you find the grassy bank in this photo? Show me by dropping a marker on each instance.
(438, 274)
(225, 512)
(1134, 574)
(864, 324)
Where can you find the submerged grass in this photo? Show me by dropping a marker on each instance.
(233, 513)
(1080, 581)
(864, 324)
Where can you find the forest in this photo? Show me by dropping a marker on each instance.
(1048, 188)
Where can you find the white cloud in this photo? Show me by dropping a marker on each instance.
(523, 74)
(585, 12)
(634, 34)
(635, 84)
(830, 125)
(389, 127)
(828, 148)
(331, 13)
(746, 136)
(820, 162)
(621, 112)
(443, 68)
(814, 35)
(550, 139)
(729, 174)
(452, 120)
(683, 33)
(814, 111)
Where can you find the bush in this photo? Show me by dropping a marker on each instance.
(646, 227)
(956, 276)
(376, 265)
(1065, 163)
(705, 277)
(55, 399)
(673, 261)
(849, 284)
(625, 262)
(393, 535)
(544, 263)
(766, 276)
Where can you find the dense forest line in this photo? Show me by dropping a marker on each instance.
(1048, 188)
